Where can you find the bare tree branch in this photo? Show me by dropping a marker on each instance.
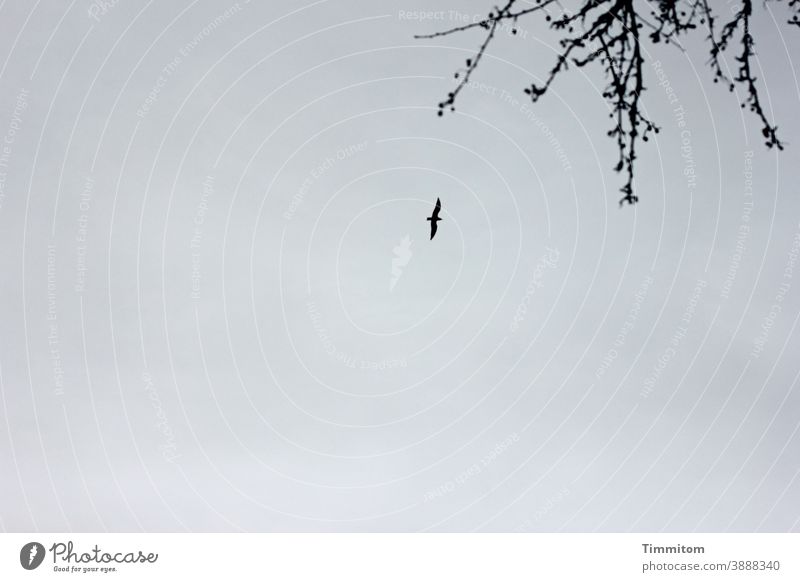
(609, 32)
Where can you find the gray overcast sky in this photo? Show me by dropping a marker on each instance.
(221, 309)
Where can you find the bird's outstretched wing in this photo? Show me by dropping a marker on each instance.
(434, 218)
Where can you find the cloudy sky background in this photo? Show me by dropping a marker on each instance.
(202, 328)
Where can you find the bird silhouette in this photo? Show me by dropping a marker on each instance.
(434, 218)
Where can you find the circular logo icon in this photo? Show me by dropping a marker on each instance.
(31, 555)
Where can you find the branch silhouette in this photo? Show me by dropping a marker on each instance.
(610, 33)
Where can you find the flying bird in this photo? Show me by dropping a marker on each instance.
(434, 218)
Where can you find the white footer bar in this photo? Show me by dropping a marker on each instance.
(401, 557)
